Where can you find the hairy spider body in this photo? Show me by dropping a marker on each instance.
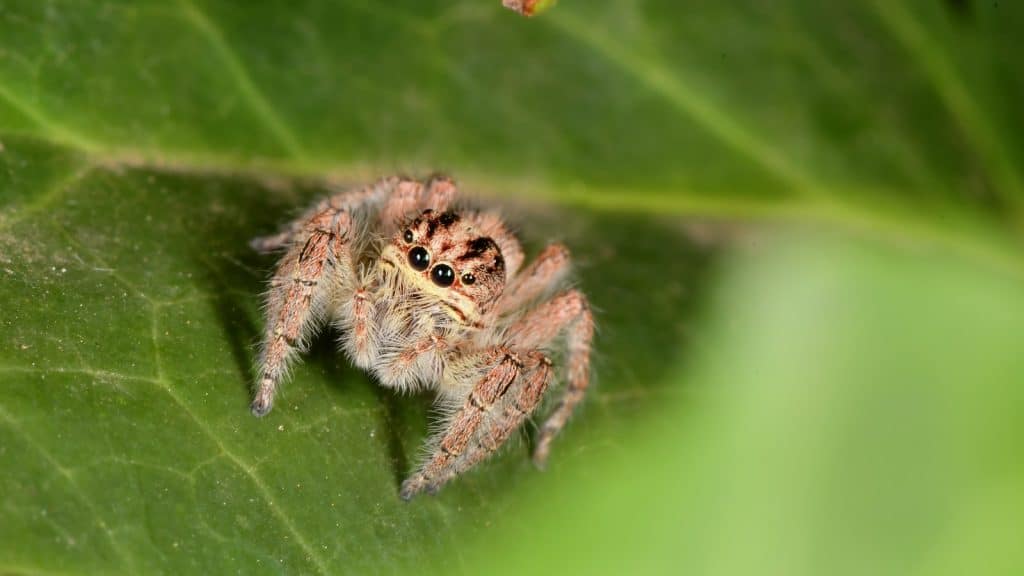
(425, 297)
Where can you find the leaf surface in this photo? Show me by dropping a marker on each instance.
(143, 143)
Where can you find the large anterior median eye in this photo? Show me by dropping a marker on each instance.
(419, 258)
(442, 275)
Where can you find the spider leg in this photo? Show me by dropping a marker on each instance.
(535, 383)
(349, 200)
(411, 196)
(505, 367)
(298, 296)
(501, 422)
(418, 365)
(274, 242)
(547, 270)
(491, 224)
(359, 340)
(568, 312)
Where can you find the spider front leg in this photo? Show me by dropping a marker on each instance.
(567, 313)
(548, 270)
(342, 202)
(499, 421)
(511, 391)
(462, 427)
(299, 293)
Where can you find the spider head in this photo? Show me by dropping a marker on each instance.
(445, 257)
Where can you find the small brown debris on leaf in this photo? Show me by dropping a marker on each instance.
(528, 7)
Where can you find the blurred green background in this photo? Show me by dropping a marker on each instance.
(799, 222)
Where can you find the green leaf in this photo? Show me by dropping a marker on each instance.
(142, 144)
(861, 416)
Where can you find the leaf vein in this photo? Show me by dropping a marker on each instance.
(286, 521)
(46, 199)
(951, 90)
(50, 127)
(259, 103)
(661, 80)
(127, 561)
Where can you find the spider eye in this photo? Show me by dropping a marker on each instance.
(408, 237)
(419, 258)
(468, 278)
(443, 275)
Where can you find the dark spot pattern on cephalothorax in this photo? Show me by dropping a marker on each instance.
(424, 216)
(497, 265)
(417, 222)
(478, 246)
(453, 240)
(448, 218)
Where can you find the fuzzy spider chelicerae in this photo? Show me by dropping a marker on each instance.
(426, 297)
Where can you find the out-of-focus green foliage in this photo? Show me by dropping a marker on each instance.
(858, 413)
(841, 399)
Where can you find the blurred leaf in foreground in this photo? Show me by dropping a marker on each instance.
(856, 411)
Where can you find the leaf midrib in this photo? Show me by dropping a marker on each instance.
(818, 203)
(892, 222)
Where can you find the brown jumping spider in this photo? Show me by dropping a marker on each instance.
(427, 297)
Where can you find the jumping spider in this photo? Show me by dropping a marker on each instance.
(425, 297)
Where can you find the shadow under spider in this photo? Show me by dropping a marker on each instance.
(236, 278)
(646, 276)
(399, 411)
